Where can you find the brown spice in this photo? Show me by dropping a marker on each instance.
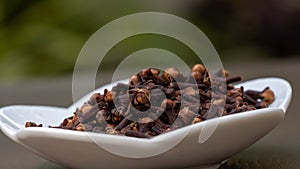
(175, 101)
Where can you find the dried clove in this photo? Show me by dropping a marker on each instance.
(155, 102)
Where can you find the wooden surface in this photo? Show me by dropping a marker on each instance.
(279, 149)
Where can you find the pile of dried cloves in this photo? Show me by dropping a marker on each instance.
(155, 102)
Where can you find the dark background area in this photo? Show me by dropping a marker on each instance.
(44, 38)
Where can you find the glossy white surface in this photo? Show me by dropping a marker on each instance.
(75, 149)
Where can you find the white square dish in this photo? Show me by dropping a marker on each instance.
(230, 135)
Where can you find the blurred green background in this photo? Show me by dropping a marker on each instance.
(44, 38)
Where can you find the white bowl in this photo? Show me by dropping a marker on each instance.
(223, 137)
